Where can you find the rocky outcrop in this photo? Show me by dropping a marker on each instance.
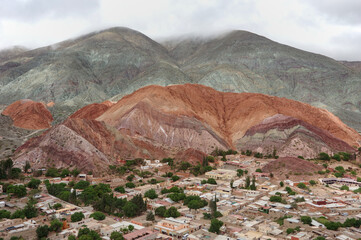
(28, 114)
(290, 137)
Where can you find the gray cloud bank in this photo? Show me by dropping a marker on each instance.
(329, 27)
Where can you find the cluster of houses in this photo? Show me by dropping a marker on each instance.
(246, 214)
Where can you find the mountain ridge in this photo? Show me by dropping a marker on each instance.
(183, 121)
(111, 63)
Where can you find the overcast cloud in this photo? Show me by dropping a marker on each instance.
(329, 27)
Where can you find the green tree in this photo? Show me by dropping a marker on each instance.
(210, 159)
(248, 182)
(172, 212)
(211, 181)
(184, 166)
(4, 214)
(64, 173)
(42, 231)
(130, 209)
(176, 197)
(30, 210)
(76, 217)
(333, 225)
(253, 185)
(160, 211)
(138, 200)
(82, 184)
(240, 172)
(18, 214)
(337, 157)
(340, 169)
(324, 156)
(116, 236)
(306, 220)
(131, 228)
(302, 186)
(275, 199)
(71, 237)
(215, 225)
(52, 172)
(56, 225)
(18, 191)
(120, 189)
(290, 230)
(15, 238)
(213, 206)
(75, 172)
(312, 182)
(151, 194)
(130, 185)
(175, 178)
(258, 170)
(150, 216)
(98, 216)
(57, 206)
(344, 187)
(87, 234)
(282, 184)
(34, 183)
(195, 204)
(130, 178)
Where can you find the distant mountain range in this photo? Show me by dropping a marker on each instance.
(112, 63)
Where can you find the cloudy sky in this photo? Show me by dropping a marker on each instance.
(329, 27)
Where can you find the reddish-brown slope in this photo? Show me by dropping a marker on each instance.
(291, 137)
(92, 111)
(295, 168)
(229, 115)
(191, 155)
(28, 114)
(88, 145)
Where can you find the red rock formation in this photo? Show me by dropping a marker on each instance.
(88, 145)
(163, 113)
(157, 122)
(92, 111)
(28, 114)
(291, 137)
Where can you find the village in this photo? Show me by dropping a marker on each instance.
(230, 198)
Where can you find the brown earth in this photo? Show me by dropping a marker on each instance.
(191, 155)
(28, 114)
(295, 168)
